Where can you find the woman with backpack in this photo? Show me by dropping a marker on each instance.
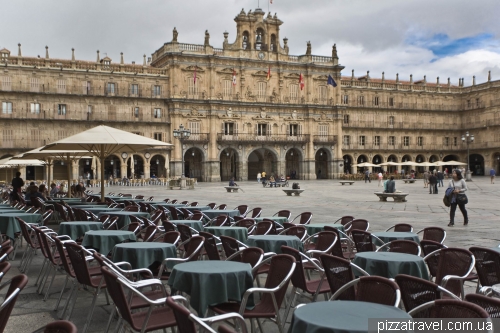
(458, 197)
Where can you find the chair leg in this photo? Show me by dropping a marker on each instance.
(293, 296)
(73, 302)
(40, 273)
(50, 284)
(62, 292)
(260, 325)
(71, 292)
(91, 312)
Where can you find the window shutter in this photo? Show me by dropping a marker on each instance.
(268, 129)
(256, 129)
(223, 129)
(300, 130)
(235, 128)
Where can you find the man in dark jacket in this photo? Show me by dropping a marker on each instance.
(391, 185)
(432, 184)
(17, 184)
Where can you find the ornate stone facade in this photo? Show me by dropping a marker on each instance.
(245, 108)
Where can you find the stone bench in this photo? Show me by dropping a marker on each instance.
(232, 188)
(290, 192)
(411, 181)
(350, 182)
(398, 197)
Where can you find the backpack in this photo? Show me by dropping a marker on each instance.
(447, 197)
(295, 186)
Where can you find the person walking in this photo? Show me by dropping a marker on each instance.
(457, 183)
(440, 178)
(426, 179)
(259, 176)
(492, 175)
(367, 176)
(263, 176)
(17, 184)
(432, 183)
(380, 178)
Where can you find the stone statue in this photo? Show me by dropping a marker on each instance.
(308, 51)
(175, 34)
(207, 38)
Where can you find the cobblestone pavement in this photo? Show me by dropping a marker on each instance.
(327, 199)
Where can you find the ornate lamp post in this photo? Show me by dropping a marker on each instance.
(468, 139)
(182, 134)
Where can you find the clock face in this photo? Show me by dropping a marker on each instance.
(124, 155)
(147, 155)
(261, 55)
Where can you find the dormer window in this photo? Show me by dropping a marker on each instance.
(4, 55)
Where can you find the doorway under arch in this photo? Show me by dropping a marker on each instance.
(229, 158)
(157, 166)
(347, 164)
(293, 159)
(112, 167)
(137, 171)
(261, 160)
(392, 168)
(377, 159)
(321, 161)
(193, 164)
(476, 164)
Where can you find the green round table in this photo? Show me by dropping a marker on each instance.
(342, 317)
(12, 210)
(211, 282)
(143, 254)
(105, 240)
(390, 264)
(97, 210)
(200, 208)
(273, 243)
(314, 228)
(5, 205)
(216, 212)
(164, 204)
(9, 225)
(279, 219)
(124, 216)
(66, 200)
(388, 236)
(128, 199)
(239, 233)
(196, 225)
(77, 229)
(86, 205)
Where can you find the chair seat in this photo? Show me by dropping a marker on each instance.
(312, 286)
(259, 311)
(161, 317)
(138, 302)
(95, 280)
(264, 269)
(471, 277)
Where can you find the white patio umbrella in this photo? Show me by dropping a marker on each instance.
(440, 163)
(50, 155)
(167, 167)
(364, 164)
(409, 163)
(132, 167)
(93, 166)
(14, 162)
(426, 164)
(103, 141)
(387, 163)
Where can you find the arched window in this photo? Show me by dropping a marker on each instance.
(246, 41)
(273, 47)
(260, 42)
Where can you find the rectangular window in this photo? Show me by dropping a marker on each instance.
(34, 84)
(261, 89)
(375, 101)
(323, 130)
(61, 109)
(61, 135)
(228, 128)
(322, 93)
(6, 83)
(294, 91)
(455, 141)
(391, 120)
(376, 140)
(392, 140)
(111, 88)
(406, 141)
(134, 89)
(362, 140)
(261, 129)
(347, 140)
(346, 119)
(345, 99)
(157, 113)
(477, 102)
(227, 88)
(61, 86)
(468, 103)
(6, 107)
(293, 130)
(420, 141)
(7, 135)
(192, 87)
(158, 136)
(35, 135)
(136, 112)
(446, 141)
(361, 100)
(35, 107)
(156, 91)
(391, 101)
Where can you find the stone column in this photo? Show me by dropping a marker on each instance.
(123, 168)
(147, 170)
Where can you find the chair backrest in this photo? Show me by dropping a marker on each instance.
(112, 223)
(150, 233)
(104, 218)
(115, 290)
(185, 232)
(171, 237)
(297, 230)
(281, 269)
(338, 272)
(450, 308)
(185, 202)
(132, 209)
(173, 213)
(182, 317)
(197, 216)
(346, 219)
(299, 279)
(377, 289)
(246, 223)
(210, 246)
(362, 240)
(135, 227)
(63, 211)
(325, 242)
(403, 227)
(17, 284)
(337, 247)
(193, 204)
(284, 213)
(64, 259)
(222, 207)
(4, 268)
(358, 224)
(80, 214)
(416, 291)
(77, 257)
(435, 234)
(429, 246)
(303, 218)
(487, 265)
(230, 245)
(404, 246)
(489, 304)
(212, 205)
(185, 213)
(220, 221)
(250, 255)
(193, 248)
(255, 212)
(26, 234)
(60, 326)
(168, 226)
(454, 261)
(47, 216)
(174, 201)
(273, 227)
(263, 227)
(243, 209)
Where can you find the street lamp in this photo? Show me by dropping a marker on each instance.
(468, 139)
(182, 134)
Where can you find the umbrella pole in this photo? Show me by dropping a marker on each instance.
(101, 158)
(68, 163)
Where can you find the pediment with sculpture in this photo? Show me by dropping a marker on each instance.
(192, 69)
(194, 113)
(323, 118)
(229, 114)
(260, 73)
(293, 116)
(263, 115)
(321, 78)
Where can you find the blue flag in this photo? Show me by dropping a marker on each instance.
(331, 81)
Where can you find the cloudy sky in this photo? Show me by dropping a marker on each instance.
(445, 38)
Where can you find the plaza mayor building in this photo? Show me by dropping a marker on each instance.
(250, 107)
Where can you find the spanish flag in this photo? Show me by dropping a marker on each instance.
(268, 74)
(301, 82)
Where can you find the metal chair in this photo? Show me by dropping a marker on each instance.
(284, 213)
(254, 213)
(171, 237)
(60, 326)
(344, 247)
(358, 224)
(303, 218)
(434, 234)
(401, 227)
(338, 272)
(222, 207)
(487, 268)
(220, 221)
(373, 289)
(243, 209)
(297, 230)
(263, 227)
(401, 246)
(448, 308)
(489, 304)
(363, 240)
(193, 248)
(345, 219)
(16, 285)
(246, 223)
(231, 245)
(212, 205)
